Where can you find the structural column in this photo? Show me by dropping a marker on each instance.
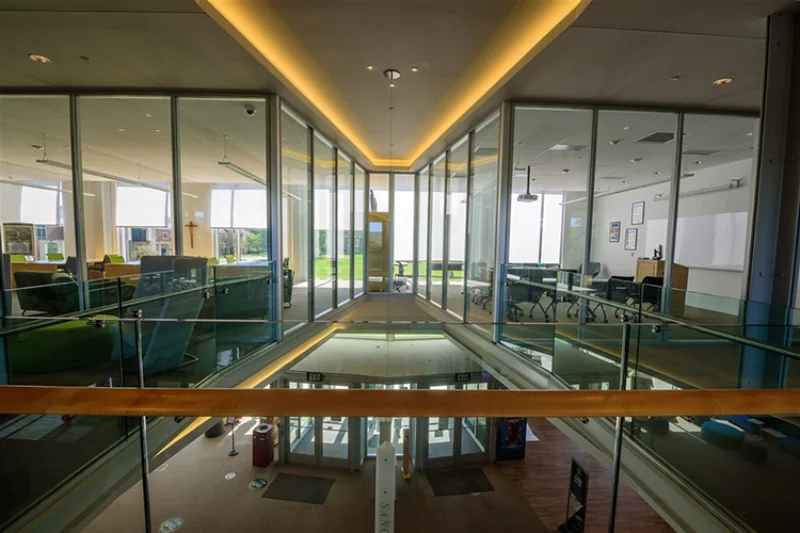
(505, 162)
(771, 276)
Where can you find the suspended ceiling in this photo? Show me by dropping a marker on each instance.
(617, 52)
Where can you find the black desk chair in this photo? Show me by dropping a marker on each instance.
(400, 280)
(529, 289)
(593, 271)
(619, 289)
(650, 294)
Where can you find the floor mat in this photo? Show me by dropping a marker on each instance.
(461, 481)
(303, 489)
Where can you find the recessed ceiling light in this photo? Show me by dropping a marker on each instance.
(674, 78)
(626, 128)
(391, 74)
(414, 69)
(158, 130)
(40, 58)
(148, 115)
(749, 133)
(698, 162)
(657, 173)
(391, 85)
(370, 67)
(120, 129)
(636, 159)
(722, 81)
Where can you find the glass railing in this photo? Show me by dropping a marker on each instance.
(181, 329)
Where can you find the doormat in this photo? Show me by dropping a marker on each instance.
(303, 489)
(460, 481)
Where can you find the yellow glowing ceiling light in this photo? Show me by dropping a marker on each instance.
(531, 25)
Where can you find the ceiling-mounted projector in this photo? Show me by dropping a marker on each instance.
(527, 197)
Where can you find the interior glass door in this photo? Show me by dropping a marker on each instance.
(455, 441)
(302, 434)
(320, 441)
(334, 438)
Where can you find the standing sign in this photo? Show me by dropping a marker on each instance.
(511, 438)
(576, 500)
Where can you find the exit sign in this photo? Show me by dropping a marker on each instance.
(463, 377)
(315, 377)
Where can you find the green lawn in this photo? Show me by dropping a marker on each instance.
(323, 270)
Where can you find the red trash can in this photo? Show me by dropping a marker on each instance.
(263, 445)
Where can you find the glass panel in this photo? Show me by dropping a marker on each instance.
(422, 221)
(379, 238)
(324, 168)
(223, 179)
(344, 235)
(358, 231)
(457, 226)
(635, 159)
(295, 198)
(334, 433)
(302, 437)
(437, 229)
(441, 433)
(713, 218)
(548, 197)
(36, 206)
(129, 214)
(482, 222)
(403, 231)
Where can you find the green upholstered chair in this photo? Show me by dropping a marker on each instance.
(18, 258)
(57, 256)
(229, 259)
(113, 258)
(213, 261)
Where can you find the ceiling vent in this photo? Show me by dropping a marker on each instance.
(659, 137)
(568, 147)
(699, 151)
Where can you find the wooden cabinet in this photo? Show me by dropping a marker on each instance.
(680, 280)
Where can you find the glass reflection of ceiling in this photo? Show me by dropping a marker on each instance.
(388, 355)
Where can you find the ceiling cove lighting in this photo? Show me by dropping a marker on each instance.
(528, 28)
(113, 177)
(722, 81)
(41, 187)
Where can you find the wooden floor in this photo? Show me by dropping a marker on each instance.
(543, 479)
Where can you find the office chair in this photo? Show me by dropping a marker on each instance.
(483, 294)
(55, 256)
(529, 289)
(618, 289)
(400, 280)
(650, 294)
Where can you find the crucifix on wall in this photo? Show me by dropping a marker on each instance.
(191, 225)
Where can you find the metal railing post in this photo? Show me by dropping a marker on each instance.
(623, 377)
(142, 424)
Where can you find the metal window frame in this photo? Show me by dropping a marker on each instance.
(428, 285)
(335, 229)
(352, 230)
(76, 154)
(310, 312)
(177, 187)
(275, 204)
(390, 280)
(505, 164)
(415, 238)
(467, 248)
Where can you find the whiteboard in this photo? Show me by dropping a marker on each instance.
(715, 241)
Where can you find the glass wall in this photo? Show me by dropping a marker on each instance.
(324, 190)
(435, 273)
(635, 160)
(482, 221)
(223, 179)
(422, 233)
(548, 192)
(359, 244)
(127, 170)
(714, 214)
(296, 210)
(403, 222)
(36, 200)
(457, 225)
(344, 235)
(379, 231)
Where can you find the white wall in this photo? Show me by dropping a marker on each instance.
(617, 208)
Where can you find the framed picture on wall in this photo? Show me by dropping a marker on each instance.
(631, 238)
(18, 239)
(637, 213)
(613, 231)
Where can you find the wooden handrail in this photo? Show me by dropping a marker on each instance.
(393, 403)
